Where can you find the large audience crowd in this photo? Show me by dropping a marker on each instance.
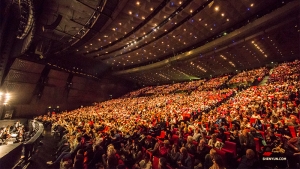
(209, 127)
(248, 77)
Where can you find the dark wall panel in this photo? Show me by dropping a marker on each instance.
(27, 66)
(53, 95)
(57, 82)
(19, 76)
(77, 79)
(79, 86)
(58, 74)
(14, 87)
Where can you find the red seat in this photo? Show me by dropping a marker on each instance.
(227, 135)
(230, 147)
(267, 154)
(257, 145)
(155, 162)
(162, 135)
(292, 130)
(150, 154)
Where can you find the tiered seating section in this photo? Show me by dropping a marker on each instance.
(248, 77)
(187, 129)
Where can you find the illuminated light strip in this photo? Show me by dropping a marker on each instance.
(223, 57)
(259, 48)
(232, 64)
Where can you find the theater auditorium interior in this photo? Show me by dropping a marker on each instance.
(142, 84)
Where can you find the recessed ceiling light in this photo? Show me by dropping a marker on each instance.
(216, 8)
(222, 14)
(151, 9)
(130, 12)
(137, 3)
(252, 5)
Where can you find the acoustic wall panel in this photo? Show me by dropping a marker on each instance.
(19, 76)
(14, 87)
(27, 66)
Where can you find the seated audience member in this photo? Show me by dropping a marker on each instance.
(190, 147)
(145, 163)
(196, 135)
(258, 135)
(110, 160)
(234, 137)
(222, 135)
(293, 152)
(257, 125)
(293, 122)
(217, 163)
(201, 152)
(185, 161)
(162, 163)
(286, 132)
(213, 140)
(209, 158)
(78, 161)
(271, 140)
(174, 155)
(249, 160)
(246, 141)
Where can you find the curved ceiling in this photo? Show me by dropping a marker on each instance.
(121, 35)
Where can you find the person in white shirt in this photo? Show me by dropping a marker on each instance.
(196, 135)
